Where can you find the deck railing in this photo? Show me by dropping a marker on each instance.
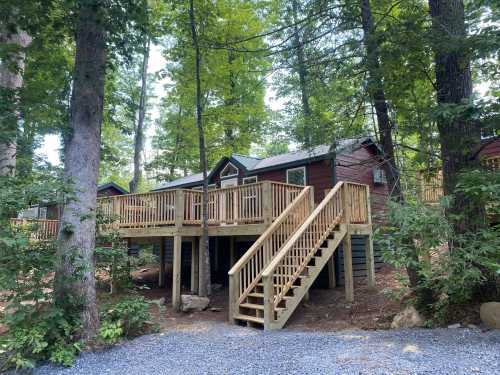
(243, 204)
(42, 229)
(246, 273)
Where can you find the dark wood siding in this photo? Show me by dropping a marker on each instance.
(491, 149)
(358, 167)
(108, 192)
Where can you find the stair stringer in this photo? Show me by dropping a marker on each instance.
(313, 272)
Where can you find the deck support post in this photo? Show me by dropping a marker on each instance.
(231, 252)
(347, 246)
(161, 273)
(267, 202)
(331, 272)
(179, 208)
(348, 275)
(195, 264)
(370, 262)
(176, 274)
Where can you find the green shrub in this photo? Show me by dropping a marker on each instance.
(128, 318)
(468, 267)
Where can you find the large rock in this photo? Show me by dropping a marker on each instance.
(490, 314)
(193, 303)
(408, 318)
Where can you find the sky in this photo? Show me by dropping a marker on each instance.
(51, 145)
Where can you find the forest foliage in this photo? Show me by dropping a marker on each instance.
(274, 75)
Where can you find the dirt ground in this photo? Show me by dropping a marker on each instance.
(326, 309)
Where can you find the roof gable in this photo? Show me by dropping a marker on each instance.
(254, 165)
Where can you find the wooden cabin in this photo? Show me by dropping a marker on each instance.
(277, 226)
(430, 183)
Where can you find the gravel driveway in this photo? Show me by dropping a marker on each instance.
(223, 349)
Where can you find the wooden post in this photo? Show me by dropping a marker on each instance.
(231, 252)
(311, 196)
(267, 202)
(268, 301)
(234, 294)
(161, 273)
(331, 272)
(195, 264)
(348, 276)
(176, 274)
(346, 246)
(370, 262)
(179, 208)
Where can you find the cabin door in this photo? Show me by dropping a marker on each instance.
(229, 201)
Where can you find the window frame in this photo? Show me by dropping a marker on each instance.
(245, 179)
(295, 169)
(229, 175)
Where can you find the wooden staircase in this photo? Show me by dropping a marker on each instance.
(267, 284)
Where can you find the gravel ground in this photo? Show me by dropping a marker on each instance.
(223, 349)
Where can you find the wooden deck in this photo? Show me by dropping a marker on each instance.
(292, 232)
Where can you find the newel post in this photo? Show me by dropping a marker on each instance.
(234, 294)
(267, 281)
(267, 202)
(179, 208)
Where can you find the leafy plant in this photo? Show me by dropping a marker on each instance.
(129, 317)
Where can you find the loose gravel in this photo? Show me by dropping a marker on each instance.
(223, 349)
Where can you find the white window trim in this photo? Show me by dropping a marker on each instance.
(229, 175)
(295, 169)
(251, 177)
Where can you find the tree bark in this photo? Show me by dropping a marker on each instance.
(11, 80)
(75, 271)
(459, 136)
(205, 282)
(377, 94)
(139, 130)
(302, 72)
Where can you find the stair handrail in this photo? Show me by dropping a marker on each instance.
(328, 214)
(242, 280)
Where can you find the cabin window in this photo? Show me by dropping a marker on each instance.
(210, 187)
(493, 163)
(296, 176)
(229, 171)
(250, 180)
(379, 177)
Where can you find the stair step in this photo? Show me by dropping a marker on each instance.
(249, 318)
(252, 306)
(261, 295)
(293, 286)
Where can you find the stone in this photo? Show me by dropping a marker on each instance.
(490, 314)
(454, 326)
(408, 318)
(193, 303)
(216, 309)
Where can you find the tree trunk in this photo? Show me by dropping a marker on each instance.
(302, 71)
(75, 272)
(376, 91)
(459, 136)
(205, 282)
(139, 130)
(11, 80)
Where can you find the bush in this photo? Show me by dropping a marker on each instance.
(469, 270)
(128, 318)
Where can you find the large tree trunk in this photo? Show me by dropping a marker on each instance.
(139, 130)
(75, 272)
(302, 71)
(377, 94)
(459, 136)
(11, 80)
(376, 91)
(205, 282)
